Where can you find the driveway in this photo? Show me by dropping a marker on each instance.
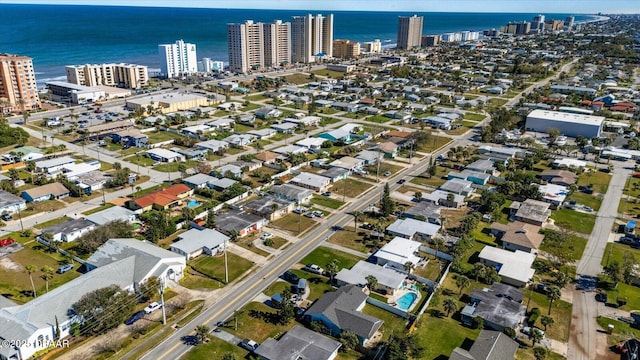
(230, 338)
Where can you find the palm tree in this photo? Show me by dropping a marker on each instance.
(479, 270)
(462, 282)
(233, 235)
(418, 195)
(409, 266)
(189, 214)
(202, 331)
(553, 294)
(535, 336)
(450, 305)
(30, 269)
(546, 321)
(47, 274)
(332, 269)
(357, 216)
(372, 281)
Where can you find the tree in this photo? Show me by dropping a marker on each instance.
(189, 214)
(409, 266)
(233, 235)
(182, 168)
(104, 309)
(546, 320)
(554, 133)
(332, 269)
(553, 294)
(202, 332)
(462, 282)
(357, 216)
(203, 167)
(479, 271)
(387, 205)
(418, 195)
(211, 220)
(477, 322)
(30, 269)
(372, 281)
(286, 309)
(89, 242)
(47, 274)
(450, 305)
(349, 339)
(535, 336)
(540, 353)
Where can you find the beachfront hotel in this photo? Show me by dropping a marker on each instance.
(253, 46)
(177, 59)
(409, 32)
(312, 38)
(346, 49)
(128, 76)
(18, 89)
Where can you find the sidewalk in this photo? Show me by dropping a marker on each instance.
(247, 254)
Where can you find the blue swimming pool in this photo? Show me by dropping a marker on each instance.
(193, 203)
(406, 300)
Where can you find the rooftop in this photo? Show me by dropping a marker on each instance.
(68, 226)
(111, 214)
(520, 233)
(500, 304)
(357, 275)
(195, 239)
(514, 265)
(567, 117)
(400, 251)
(410, 227)
(299, 343)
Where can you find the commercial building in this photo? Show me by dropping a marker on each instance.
(409, 32)
(517, 28)
(177, 59)
(18, 86)
(312, 38)
(372, 46)
(346, 49)
(128, 76)
(73, 93)
(569, 22)
(254, 46)
(569, 124)
(167, 103)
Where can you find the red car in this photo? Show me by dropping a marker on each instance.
(636, 175)
(6, 242)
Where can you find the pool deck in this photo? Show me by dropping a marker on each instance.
(393, 300)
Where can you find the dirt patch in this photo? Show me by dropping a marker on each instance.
(8, 264)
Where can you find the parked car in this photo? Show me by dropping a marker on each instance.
(135, 317)
(601, 297)
(626, 240)
(266, 236)
(6, 242)
(64, 268)
(527, 330)
(313, 268)
(309, 215)
(291, 277)
(152, 307)
(387, 173)
(585, 189)
(6, 217)
(402, 181)
(318, 213)
(249, 345)
(326, 193)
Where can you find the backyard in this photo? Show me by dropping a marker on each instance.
(574, 220)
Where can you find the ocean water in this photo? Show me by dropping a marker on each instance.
(59, 35)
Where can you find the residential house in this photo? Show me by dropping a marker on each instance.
(69, 230)
(224, 124)
(239, 140)
(22, 153)
(311, 181)
(53, 165)
(531, 211)
(11, 204)
(285, 128)
(162, 199)
(413, 229)
(212, 145)
(196, 241)
(130, 137)
(267, 113)
(290, 149)
(199, 181)
(438, 122)
(269, 207)
(243, 223)
(397, 253)
(568, 163)
(482, 166)
(553, 194)
(262, 134)
(335, 174)
(190, 153)
(348, 163)
(313, 145)
(164, 155)
(489, 345)
(341, 310)
(475, 177)
(291, 192)
(299, 343)
(389, 149)
(499, 306)
(46, 192)
(559, 177)
(457, 186)
(389, 279)
(305, 121)
(518, 236)
(267, 157)
(115, 213)
(336, 135)
(514, 268)
(424, 211)
(369, 157)
(221, 184)
(229, 171)
(444, 198)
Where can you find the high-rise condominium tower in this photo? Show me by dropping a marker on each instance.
(18, 89)
(257, 45)
(128, 76)
(177, 59)
(409, 31)
(312, 38)
(537, 25)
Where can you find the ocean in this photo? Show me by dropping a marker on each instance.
(59, 35)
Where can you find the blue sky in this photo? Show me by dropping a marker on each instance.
(526, 6)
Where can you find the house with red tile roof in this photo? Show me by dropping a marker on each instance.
(162, 199)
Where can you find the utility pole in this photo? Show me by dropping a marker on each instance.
(226, 268)
(344, 193)
(164, 314)
(20, 218)
(378, 169)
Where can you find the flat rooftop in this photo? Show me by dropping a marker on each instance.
(566, 117)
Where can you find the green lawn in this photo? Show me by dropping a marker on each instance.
(293, 222)
(473, 116)
(328, 73)
(214, 266)
(255, 327)
(616, 251)
(574, 220)
(384, 167)
(277, 288)
(629, 207)
(574, 246)
(440, 335)
(560, 312)
(497, 102)
(621, 330)
(160, 136)
(349, 187)
(141, 160)
(298, 78)
(99, 208)
(629, 292)
(591, 201)
(318, 284)
(174, 166)
(323, 255)
(350, 239)
(378, 119)
(278, 242)
(428, 180)
(392, 323)
(256, 97)
(435, 142)
(196, 281)
(431, 271)
(52, 222)
(326, 202)
(597, 179)
(215, 349)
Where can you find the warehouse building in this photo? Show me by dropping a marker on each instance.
(569, 124)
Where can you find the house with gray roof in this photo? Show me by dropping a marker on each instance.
(229, 170)
(299, 343)
(285, 127)
(268, 113)
(311, 181)
(199, 181)
(212, 145)
(11, 204)
(291, 192)
(413, 229)
(489, 345)
(263, 133)
(69, 230)
(112, 214)
(425, 210)
(335, 174)
(389, 279)
(532, 211)
(269, 207)
(242, 222)
(342, 310)
(457, 186)
(369, 157)
(500, 306)
(221, 184)
(483, 166)
(194, 242)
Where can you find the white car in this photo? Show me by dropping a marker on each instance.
(152, 307)
(314, 269)
(266, 236)
(526, 330)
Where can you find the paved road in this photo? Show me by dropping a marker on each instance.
(584, 341)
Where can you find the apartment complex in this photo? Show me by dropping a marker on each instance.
(312, 38)
(537, 25)
(256, 45)
(517, 28)
(18, 89)
(177, 59)
(346, 49)
(129, 76)
(372, 46)
(409, 31)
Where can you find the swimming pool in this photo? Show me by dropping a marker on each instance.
(406, 300)
(193, 203)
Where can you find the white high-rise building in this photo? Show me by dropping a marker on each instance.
(177, 59)
(312, 38)
(256, 45)
(372, 46)
(537, 25)
(209, 65)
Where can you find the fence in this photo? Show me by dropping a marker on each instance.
(439, 254)
(63, 252)
(389, 308)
